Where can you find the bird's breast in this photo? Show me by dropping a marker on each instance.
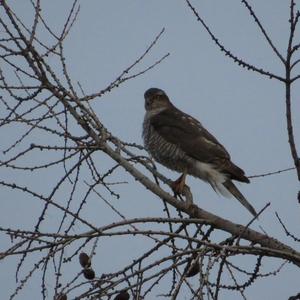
(168, 154)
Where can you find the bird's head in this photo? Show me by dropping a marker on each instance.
(156, 99)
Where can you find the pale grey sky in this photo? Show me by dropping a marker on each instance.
(245, 111)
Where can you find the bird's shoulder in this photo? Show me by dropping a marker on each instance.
(175, 118)
(181, 128)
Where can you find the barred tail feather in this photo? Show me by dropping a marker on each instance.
(229, 185)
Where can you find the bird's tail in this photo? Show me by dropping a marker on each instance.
(229, 185)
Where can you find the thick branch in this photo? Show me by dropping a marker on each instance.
(283, 251)
(290, 129)
(288, 83)
(194, 211)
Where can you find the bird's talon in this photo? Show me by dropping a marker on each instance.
(178, 185)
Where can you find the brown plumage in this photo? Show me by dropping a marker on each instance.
(181, 143)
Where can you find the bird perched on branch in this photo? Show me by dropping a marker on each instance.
(181, 143)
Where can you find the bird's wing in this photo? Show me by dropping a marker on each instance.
(187, 133)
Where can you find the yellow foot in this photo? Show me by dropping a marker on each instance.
(178, 185)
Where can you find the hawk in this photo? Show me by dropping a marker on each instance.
(180, 142)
